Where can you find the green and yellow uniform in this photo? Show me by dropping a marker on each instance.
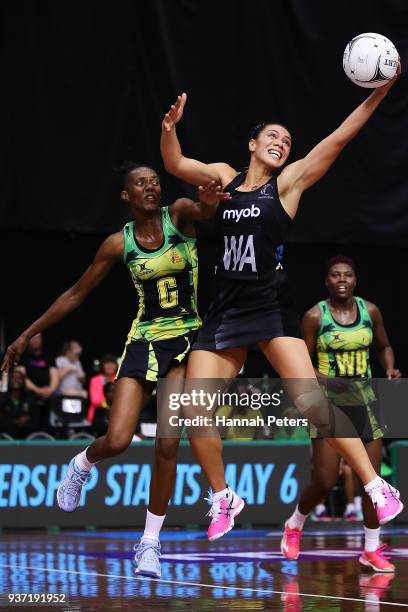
(166, 283)
(344, 351)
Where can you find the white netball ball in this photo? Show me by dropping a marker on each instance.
(370, 60)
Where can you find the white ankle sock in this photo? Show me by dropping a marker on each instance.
(320, 508)
(349, 509)
(297, 519)
(82, 462)
(220, 494)
(373, 484)
(153, 525)
(371, 539)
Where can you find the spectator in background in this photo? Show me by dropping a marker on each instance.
(97, 397)
(71, 373)
(41, 379)
(16, 418)
(101, 413)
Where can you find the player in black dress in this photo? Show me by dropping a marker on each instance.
(254, 302)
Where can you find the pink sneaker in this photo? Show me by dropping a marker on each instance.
(377, 560)
(223, 513)
(386, 502)
(290, 543)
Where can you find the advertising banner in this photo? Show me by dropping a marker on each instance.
(267, 475)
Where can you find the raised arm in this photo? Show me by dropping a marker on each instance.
(186, 210)
(189, 170)
(302, 174)
(110, 251)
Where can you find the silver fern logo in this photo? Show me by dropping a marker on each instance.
(264, 194)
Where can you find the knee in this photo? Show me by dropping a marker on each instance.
(167, 448)
(314, 405)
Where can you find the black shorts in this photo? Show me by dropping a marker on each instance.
(152, 360)
(366, 421)
(238, 326)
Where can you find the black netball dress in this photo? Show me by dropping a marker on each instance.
(254, 300)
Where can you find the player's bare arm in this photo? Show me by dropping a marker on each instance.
(110, 251)
(185, 168)
(381, 342)
(302, 174)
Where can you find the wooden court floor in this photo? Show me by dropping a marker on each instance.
(93, 570)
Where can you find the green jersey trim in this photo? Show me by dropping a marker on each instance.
(361, 311)
(166, 226)
(146, 254)
(166, 214)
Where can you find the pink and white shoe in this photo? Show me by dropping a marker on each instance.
(386, 500)
(290, 543)
(377, 560)
(223, 513)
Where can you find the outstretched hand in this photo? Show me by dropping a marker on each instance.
(212, 193)
(175, 113)
(13, 353)
(393, 374)
(384, 89)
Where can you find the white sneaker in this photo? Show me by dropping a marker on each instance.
(147, 555)
(70, 488)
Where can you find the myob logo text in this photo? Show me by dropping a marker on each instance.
(244, 213)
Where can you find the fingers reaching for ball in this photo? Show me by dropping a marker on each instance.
(211, 193)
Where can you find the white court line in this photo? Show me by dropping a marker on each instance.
(198, 584)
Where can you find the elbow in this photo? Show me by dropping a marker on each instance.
(74, 298)
(172, 166)
(167, 162)
(172, 163)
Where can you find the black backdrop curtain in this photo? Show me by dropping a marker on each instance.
(85, 84)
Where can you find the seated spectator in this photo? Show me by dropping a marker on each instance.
(41, 379)
(71, 373)
(16, 418)
(108, 369)
(101, 416)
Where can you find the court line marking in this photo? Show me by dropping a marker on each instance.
(198, 584)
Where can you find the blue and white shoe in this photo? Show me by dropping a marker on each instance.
(147, 555)
(70, 488)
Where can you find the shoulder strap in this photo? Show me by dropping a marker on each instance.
(128, 240)
(325, 314)
(236, 182)
(364, 314)
(166, 221)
